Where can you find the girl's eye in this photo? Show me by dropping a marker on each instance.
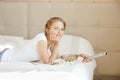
(62, 29)
(55, 28)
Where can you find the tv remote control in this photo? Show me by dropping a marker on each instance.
(98, 55)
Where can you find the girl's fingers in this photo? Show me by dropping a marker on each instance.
(54, 37)
(86, 60)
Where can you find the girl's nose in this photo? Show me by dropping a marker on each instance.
(60, 31)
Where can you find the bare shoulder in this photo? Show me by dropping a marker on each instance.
(42, 42)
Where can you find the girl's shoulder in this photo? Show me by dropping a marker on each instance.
(40, 36)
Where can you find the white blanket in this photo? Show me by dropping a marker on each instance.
(33, 75)
(78, 71)
(35, 71)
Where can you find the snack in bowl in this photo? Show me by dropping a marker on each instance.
(69, 57)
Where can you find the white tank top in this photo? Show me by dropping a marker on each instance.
(27, 53)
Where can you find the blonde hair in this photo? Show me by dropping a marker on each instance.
(54, 19)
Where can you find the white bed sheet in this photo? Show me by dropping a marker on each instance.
(64, 71)
(20, 71)
(33, 75)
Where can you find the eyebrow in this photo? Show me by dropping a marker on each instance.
(61, 28)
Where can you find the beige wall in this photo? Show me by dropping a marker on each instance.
(86, 1)
(96, 20)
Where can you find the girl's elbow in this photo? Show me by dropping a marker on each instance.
(46, 62)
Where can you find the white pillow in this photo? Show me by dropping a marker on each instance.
(10, 41)
(75, 44)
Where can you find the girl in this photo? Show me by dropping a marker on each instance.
(43, 47)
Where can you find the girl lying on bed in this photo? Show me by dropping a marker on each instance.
(43, 47)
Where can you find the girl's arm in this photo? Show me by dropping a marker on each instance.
(43, 52)
(54, 47)
(54, 51)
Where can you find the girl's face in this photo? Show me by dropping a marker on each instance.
(57, 28)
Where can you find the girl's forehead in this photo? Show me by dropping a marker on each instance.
(58, 23)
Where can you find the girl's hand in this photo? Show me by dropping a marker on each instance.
(85, 58)
(55, 37)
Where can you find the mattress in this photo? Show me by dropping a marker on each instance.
(75, 70)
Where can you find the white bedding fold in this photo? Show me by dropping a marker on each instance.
(33, 75)
(20, 71)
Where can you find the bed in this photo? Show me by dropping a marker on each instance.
(75, 70)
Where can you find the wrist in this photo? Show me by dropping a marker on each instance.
(56, 43)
